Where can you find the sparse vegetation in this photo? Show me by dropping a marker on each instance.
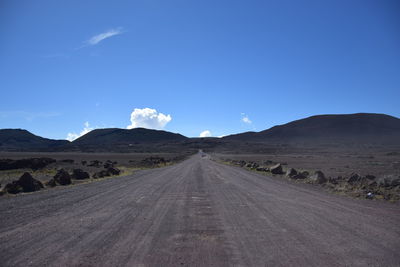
(77, 168)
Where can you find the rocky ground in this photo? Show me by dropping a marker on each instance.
(22, 172)
(364, 173)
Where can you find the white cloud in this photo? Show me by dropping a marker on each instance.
(246, 119)
(205, 133)
(72, 136)
(102, 36)
(148, 118)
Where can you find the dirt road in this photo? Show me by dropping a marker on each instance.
(196, 213)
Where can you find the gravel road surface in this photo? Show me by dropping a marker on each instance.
(196, 213)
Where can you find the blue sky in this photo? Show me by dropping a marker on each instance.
(222, 66)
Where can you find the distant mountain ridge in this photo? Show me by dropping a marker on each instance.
(113, 136)
(359, 127)
(19, 139)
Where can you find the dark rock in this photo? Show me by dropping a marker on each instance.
(291, 173)
(300, 175)
(276, 169)
(370, 195)
(252, 165)
(108, 164)
(153, 161)
(51, 183)
(26, 183)
(79, 174)
(268, 162)
(95, 163)
(13, 188)
(105, 173)
(318, 177)
(62, 177)
(255, 165)
(113, 171)
(389, 181)
(370, 177)
(70, 161)
(101, 174)
(83, 162)
(262, 169)
(354, 179)
(333, 180)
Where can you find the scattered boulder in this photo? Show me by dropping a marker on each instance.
(26, 183)
(70, 161)
(101, 174)
(242, 163)
(354, 178)
(301, 175)
(29, 184)
(370, 177)
(276, 169)
(318, 177)
(291, 173)
(389, 181)
(370, 195)
(372, 183)
(83, 162)
(79, 174)
(113, 171)
(262, 169)
(268, 162)
(153, 161)
(95, 163)
(105, 173)
(333, 180)
(255, 165)
(62, 177)
(108, 164)
(51, 182)
(13, 188)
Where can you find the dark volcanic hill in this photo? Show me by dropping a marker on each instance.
(22, 140)
(344, 130)
(347, 128)
(116, 136)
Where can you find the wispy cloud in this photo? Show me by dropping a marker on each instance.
(94, 40)
(246, 119)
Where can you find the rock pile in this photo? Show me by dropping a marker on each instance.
(61, 178)
(107, 172)
(79, 174)
(26, 183)
(368, 186)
